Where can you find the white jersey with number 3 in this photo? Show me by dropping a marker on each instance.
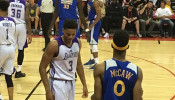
(64, 64)
(16, 10)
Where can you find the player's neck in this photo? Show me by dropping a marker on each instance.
(119, 55)
(3, 14)
(69, 44)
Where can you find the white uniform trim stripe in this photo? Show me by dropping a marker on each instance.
(132, 67)
(110, 63)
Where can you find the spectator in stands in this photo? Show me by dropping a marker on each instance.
(146, 18)
(33, 17)
(168, 5)
(130, 15)
(164, 14)
(113, 16)
(126, 3)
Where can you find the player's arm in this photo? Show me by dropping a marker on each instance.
(51, 49)
(80, 10)
(28, 23)
(55, 15)
(138, 92)
(80, 71)
(97, 8)
(99, 69)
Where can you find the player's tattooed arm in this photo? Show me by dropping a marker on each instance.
(51, 49)
(97, 8)
(28, 23)
(80, 71)
(98, 75)
(80, 10)
(138, 92)
(55, 15)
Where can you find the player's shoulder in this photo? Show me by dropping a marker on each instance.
(52, 47)
(99, 68)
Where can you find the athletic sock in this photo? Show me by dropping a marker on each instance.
(96, 60)
(92, 57)
(19, 68)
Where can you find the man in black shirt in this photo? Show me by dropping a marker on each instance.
(130, 15)
(146, 15)
(113, 16)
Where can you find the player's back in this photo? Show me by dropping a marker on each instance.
(119, 80)
(7, 34)
(67, 9)
(17, 10)
(64, 63)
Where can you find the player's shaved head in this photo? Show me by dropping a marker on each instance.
(70, 24)
(4, 4)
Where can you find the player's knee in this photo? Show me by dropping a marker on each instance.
(21, 52)
(9, 81)
(94, 48)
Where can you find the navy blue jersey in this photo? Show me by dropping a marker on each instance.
(92, 13)
(67, 9)
(119, 80)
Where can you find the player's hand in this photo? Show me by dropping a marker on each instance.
(29, 39)
(85, 92)
(49, 95)
(87, 34)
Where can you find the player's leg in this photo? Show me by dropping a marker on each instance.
(59, 89)
(21, 42)
(9, 83)
(94, 42)
(8, 71)
(72, 90)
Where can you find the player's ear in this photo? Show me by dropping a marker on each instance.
(128, 47)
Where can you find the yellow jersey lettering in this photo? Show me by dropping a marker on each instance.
(128, 75)
(112, 73)
(123, 73)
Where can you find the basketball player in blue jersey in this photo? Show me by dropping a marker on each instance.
(19, 11)
(95, 24)
(63, 54)
(7, 50)
(117, 78)
(68, 9)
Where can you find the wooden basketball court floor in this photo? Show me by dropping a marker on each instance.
(156, 60)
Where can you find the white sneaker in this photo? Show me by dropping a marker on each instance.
(106, 35)
(139, 35)
(41, 33)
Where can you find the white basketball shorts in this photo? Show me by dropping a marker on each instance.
(62, 90)
(7, 57)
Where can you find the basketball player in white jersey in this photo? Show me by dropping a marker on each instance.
(19, 10)
(7, 50)
(63, 54)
